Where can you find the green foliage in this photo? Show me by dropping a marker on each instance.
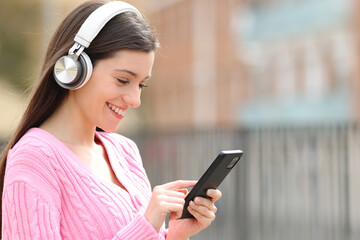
(19, 31)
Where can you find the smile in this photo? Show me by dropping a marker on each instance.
(116, 110)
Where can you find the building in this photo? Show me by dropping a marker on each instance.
(252, 63)
(198, 81)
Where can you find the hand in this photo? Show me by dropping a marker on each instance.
(202, 209)
(166, 198)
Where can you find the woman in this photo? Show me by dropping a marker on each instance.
(62, 179)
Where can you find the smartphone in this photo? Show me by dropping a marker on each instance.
(214, 175)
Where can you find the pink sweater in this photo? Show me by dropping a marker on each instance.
(49, 193)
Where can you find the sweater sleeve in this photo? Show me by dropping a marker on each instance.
(26, 215)
(139, 228)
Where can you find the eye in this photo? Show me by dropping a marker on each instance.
(122, 81)
(143, 85)
(125, 82)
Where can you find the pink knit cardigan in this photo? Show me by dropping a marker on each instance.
(49, 193)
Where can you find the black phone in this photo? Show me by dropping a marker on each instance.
(212, 178)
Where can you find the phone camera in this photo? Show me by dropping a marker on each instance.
(233, 162)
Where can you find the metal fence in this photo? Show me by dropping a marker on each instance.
(292, 183)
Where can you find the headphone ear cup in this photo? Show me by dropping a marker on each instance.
(72, 74)
(86, 71)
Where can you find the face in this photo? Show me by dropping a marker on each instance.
(114, 87)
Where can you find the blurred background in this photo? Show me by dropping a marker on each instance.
(278, 79)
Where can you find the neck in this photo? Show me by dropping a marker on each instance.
(68, 125)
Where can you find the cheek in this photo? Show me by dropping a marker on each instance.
(94, 89)
(100, 89)
(88, 98)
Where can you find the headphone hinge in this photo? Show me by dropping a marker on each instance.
(76, 50)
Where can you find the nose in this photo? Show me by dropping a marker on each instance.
(132, 97)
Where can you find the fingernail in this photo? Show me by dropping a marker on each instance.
(210, 191)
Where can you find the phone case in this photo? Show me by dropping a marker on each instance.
(212, 178)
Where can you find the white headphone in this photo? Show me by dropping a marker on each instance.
(74, 70)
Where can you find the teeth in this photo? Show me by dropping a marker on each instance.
(115, 109)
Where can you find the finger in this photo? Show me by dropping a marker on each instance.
(214, 194)
(180, 193)
(159, 190)
(204, 217)
(168, 202)
(175, 214)
(178, 184)
(206, 203)
(204, 211)
(176, 208)
(172, 199)
(183, 190)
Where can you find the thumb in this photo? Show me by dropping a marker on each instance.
(173, 215)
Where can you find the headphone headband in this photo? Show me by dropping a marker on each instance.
(97, 19)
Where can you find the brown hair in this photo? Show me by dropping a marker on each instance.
(124, 31)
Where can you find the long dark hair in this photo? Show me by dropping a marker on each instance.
(124, 31)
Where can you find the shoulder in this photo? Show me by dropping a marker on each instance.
(36, 141)
(32, 160)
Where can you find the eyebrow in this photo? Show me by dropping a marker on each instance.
(131, 73)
